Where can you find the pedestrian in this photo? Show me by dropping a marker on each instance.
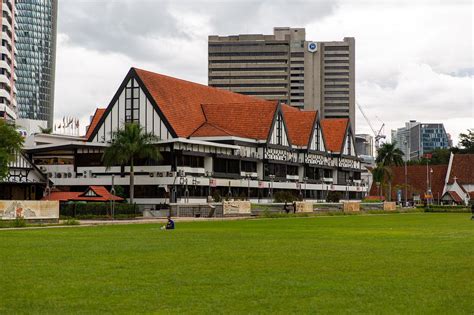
(472, 210)
(285, 207)
(169, 225)
(294, 207)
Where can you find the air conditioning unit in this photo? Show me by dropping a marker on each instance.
(161, 174)
(172, 174)
(42, 169)
(152, 174)
(84, 174)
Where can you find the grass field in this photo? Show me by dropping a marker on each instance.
(399, 263)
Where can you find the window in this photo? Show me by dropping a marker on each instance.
(249, 166)
(132, 103)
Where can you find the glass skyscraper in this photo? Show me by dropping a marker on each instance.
(36, 45)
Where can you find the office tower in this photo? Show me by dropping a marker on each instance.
(36, 44)
(7, 64)
(364, 144)
(417, 139)
(284, 66)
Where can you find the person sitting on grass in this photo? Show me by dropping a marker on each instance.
(169, 225)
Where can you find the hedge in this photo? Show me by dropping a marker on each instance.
(97, 209)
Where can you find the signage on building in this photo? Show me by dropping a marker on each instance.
(320, 160)
(312, 46)
(349, 163)
(280, 155)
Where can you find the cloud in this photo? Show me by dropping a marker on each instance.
(414, 59)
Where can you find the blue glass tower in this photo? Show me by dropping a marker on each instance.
(36, 46)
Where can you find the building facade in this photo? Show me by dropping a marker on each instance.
(213, 142)
(284, 66)
(416, 138)
(36, 44)
(8, 103)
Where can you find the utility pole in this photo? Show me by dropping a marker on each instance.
(406, 175)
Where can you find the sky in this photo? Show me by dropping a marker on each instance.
(414, 59)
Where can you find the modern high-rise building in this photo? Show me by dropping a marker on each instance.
(286, 67)
(8, 62)
(36, 44)
(416, 138)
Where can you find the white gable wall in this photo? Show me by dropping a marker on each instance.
(317, 135)
(148, 117)
(349, 148)
(279, 135)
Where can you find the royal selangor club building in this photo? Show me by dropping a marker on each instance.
(213, 143)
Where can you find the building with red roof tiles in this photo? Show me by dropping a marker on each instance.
(460, 178)
(91, 194)
(221, 142)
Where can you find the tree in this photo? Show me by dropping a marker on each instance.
(466, 141)
(389, 155)
(11, 143)
(381, 174)
(129, 144)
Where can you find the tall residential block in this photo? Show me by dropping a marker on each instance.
(286, 67)
(36, 46)
(416, 138)
(8, 62)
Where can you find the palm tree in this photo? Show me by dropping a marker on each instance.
(389, 155)
(128, 144)
(381, 174)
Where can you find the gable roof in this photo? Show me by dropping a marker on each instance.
(454, 196)
(251, 120)
(102, 195)
(416, 179)
(334, 131)
(463, 169)
(99, 112)
(180, 101)
(300, 124)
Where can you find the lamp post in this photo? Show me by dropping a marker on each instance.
(209, 175)
(272, 178)
(248, 176)
(112, 191)
(406, 175)
(305, 180)
(183, 180)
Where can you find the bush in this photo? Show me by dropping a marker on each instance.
(71, 221)
(442, 208)
(18, 222)
(77, 210)
(284, 196)
(333, 196)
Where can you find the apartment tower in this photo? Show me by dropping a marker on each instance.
(8, 62)
(36, 46)
(284, 66)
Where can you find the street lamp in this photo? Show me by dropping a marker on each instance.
(248, 176)
(209, 175)
(406, 175)
(272, 178)
(305, 180)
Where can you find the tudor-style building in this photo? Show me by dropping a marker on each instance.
(212, 141)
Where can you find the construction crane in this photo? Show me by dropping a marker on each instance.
(377, 134)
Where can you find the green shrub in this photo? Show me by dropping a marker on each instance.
(284, 196)
(18, 222)
(334, 196)
(79, 210)
(71, 221)
(442, 208)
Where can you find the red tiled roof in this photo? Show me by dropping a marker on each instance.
(300, 124)
(95, 120)
(463, 169)
(471, 195)
(102, 195)
(180, 100)
(209, 130)
(416, 180)
(248, 120)
(334, 130)
(454, 195)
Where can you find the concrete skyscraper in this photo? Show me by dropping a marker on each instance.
(8, 63)
(36, 44)
(286, 67)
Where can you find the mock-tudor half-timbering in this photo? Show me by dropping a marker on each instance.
(215, 141)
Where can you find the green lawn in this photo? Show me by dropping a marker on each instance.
(398, 263)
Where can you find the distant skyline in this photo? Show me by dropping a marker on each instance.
(414, 59)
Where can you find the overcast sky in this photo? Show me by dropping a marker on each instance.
(414, 59)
